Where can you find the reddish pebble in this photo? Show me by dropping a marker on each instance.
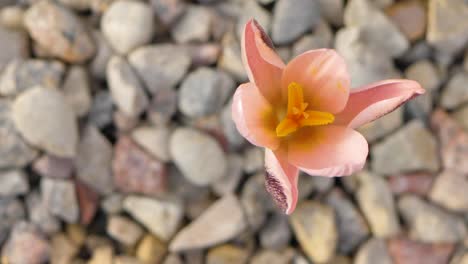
(410, 17)
(416, 183)
(88, 201)
(55, 167)
(406, 251)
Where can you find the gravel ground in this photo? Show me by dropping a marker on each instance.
(117, 144)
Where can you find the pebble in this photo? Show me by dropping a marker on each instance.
(230, 132)
(26, 245)
(460, 117)
(416, 183)
(193, 26)
(227, 254)
(204, 54)
(212, 227)
(254, 160)
(322, 37)
(162, 107)
(100, 113)
(408, 251)
(233, 177)
(20, 75)
(15, 45)
(425, 73)
(123, 122)
(256, 201)
(153, 139)
(173, 259)
(13, 183)
(352, 228)
(449, 191)
(315, 227)
(230, 59)
(45, 120)
(272, 257)
(104, 52)
(12, 17)
(204, 92)
(126, 90)
(161, 217)
(198, 156)
(383, 126)
(88, 202)
(421, 216)
(54, 167)
(168, 11)
(77, 91)
(60, 199)
(332, 11)
(47, 22)
(102, 255)
(409, 17)
(39, 214)
(63, 250)
(373, 251)
(409, 149)
(376, 201)
(454, 93)
(11, 212)
(93, 160)
(124, 230)
(150, 250)
(276, 233)
(249, 10)
(160, 66)
(135, 171)
(292, 18)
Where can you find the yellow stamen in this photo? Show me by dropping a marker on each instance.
(297, 116)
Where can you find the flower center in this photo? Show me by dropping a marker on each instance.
(298, 116)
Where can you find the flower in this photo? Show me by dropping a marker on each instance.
(304, 113)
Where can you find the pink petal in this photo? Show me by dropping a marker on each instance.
(254, 117)
(324, 77)
(375, 100)
(328, 150)
(264, 67)
(281, 180)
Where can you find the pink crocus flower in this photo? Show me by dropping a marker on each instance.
(304, 113)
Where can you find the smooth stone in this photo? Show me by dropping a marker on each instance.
(421, 216)
(410, 148)
(13, 183)
(150, 250)
(332, 11)
(425, 73)
(193, 26)
(292, 18)
(11, 212)
(314, 225)
(416, 183)
(212, 227)
(77, 90)
(60, 199)
(272, 257)
(20, 75)
(161, 217)
(101, 110)
(256, 201)
(376, 201)
(162, 107)
(406, 251)
(234, 139)
(113, 203)
(88, 201)
(461, 116)
(135, 171)
(154, 139)
(373, 251)
(230, 58)
(104, 52)
(54, 167)
(128, 25)
(124, 123)
(254, 160)
(126, 89)
(47, 24)
(160, 66)
(199, 157)
(449, 190)
(93, 160)
(276, 233)
(383, 126)
(124, 230)
(230, 182)
(168, 11)
(12, 17)
(409, 17)
(322, 37)
(102, 255)
(227, 254)
(63, 250)
(40, 215)
(45, 120)
(15, 45)
(454, 93)
(250, 9)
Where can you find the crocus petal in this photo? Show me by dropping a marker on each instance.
(324, 77)
(375, 100)
(264, 67)
(281, 179)
(328, 150)
(254, 116)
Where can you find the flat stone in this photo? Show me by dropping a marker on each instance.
(93, 160)
(102, 255)
(39, 214)
(406, 251)
(230, 59)
(383, 126)
(26, 245)
(60, 199)
(160, 66)
(227, 254)
(198, 156)
(161, 217)
(126, 90)
(421, 216)
(88, 201)
(315, 228)
(272, 257)
(449, 190)
(276, 233)
(409, 149)
(204, 92)
(168, 11)
(373, 251)
(230, 182)
(352, 228)
(425, 73)
(292, 18)
(153, 139)
(124, 230)
(454, 93)
(128, 25)
(150, 249)
(63, 250)
(15, 45)
(11, 212)
(101, 110)
(332, 10)
(135, 171)
(409, 17)
(376, 201)
(47, 22)
(54, 167)
(13, 183)
(212, 227)
(20, 75)
(77, 90)
(415, 183)
(46, 121)
(193, 26)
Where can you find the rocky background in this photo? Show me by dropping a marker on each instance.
(117, 145)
